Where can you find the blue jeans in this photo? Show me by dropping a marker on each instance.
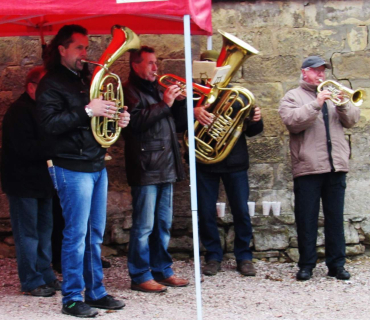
(83, 198)
(148, 257)
(308, 190)
(32, 225)
(237, 191)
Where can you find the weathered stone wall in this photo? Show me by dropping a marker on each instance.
(284, 32)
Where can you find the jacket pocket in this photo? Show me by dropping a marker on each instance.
(152, 154)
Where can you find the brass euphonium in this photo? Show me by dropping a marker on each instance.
(108, 85)
(336, 89)
(229, 105)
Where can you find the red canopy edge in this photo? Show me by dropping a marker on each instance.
(25, 17)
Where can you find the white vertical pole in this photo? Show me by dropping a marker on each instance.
(209, 43)
(193, 181)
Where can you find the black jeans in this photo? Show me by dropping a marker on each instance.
(308, 190)
(237, 190)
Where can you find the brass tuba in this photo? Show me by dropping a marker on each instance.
(107, 84)
(355, 96)
(230, 106)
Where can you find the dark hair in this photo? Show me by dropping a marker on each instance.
(64, 38)
(34, 75)
(135, 56)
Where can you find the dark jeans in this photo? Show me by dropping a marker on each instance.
(32, 224)
(237, 190)
(308, 190)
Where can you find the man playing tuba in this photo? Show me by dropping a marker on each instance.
(233, 171)
(320, 154)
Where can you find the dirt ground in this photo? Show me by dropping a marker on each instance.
(272, 294)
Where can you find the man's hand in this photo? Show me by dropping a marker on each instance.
(203, 116)
(124, 118)
(322, 96)
(170, 94)
(102, 108)
(257, 114)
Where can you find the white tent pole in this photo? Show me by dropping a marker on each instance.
(209, 43)
(193, 181)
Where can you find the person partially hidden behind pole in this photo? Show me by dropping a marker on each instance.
(153, 164)
(77, 169)
(320, 155)
(27, 184)
(233, 171)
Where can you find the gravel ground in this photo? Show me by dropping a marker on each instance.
(272, 294)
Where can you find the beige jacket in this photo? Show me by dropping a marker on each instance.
(308, 143)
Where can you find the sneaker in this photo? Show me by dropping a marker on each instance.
(56, 285)
(79, 309)
(41, 291)
(211, 268)
(246, 268)
(340, 273)
(107, 302)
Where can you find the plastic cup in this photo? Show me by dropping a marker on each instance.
(276, 208)
(251, 208)
(266, 206)
(220, 206)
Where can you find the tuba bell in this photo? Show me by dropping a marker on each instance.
(230, 106)
(355, 96)
(108, 85)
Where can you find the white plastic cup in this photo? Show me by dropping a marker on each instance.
(266, 206)
(251, 208)
(276, 208)
(220, 206)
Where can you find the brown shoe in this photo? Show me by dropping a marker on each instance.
(148, 286)
(246, 268)
(174, 281)
(211, 268)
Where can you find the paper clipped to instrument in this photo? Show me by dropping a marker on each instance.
(207, 70)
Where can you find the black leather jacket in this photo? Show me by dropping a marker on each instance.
(61, 99)
(24, 171)
(151, 148)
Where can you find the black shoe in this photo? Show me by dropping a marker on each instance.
(211, 268)
(107, 302)
(304, 274)
(79, 309)
(41, 291)
(340, 273)
(105, 263)
(56, 285)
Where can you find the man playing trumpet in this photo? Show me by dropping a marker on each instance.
(320, 154)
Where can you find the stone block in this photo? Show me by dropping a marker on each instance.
(4, 207)
(29, 51)
(270, 238)
(9, 241)
(7, 251)
(118, 235)
(261, 176)
(293, 254)
(229, 240)
(12, 79)
(351, 65)
(265, 254)
(180, 244)
(350, 234)
(357, 38)
(365, 226)
(273, 126)
(355, 250)
(108, 251)
(5, 226)
(8, 50)
(266, 149)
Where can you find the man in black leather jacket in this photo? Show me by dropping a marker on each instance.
(77, 169)
(153, 164)
(27, 184)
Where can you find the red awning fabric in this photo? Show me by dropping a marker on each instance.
(25, 17)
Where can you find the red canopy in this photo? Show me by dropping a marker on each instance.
(24, 17)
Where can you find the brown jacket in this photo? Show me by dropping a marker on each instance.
(308, 143)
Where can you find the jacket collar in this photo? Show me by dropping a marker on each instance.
(308, 86)
(142, 84)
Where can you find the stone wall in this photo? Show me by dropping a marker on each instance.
(284, 32)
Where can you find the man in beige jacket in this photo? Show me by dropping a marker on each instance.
(320, 154)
